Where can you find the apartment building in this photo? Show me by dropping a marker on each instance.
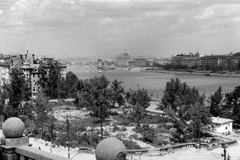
(219, 62)
(190, 60)
(29, 64)
(229, 62)
(138, 62)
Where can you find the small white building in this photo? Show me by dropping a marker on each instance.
(222, 125)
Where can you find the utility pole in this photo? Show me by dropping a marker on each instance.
(101, 122)
(67, 127)
(200, 135)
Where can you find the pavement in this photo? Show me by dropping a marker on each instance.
(153, 106)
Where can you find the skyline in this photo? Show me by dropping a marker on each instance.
(89, 29)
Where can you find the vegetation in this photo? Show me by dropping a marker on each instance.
(187, 112)
(233, 104)
(184, 105)
(216, 103)
(16, 92)
(51, 80)
(139, 101)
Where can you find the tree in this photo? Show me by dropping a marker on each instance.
(51, 80)
(71, 84)
(238, 65)
(178, 96)
(233, 104)
(16, 91)
(41, 109)
(200, 119)
(96, 97)
(216, 102)
(117, 93)
(139, 101)
(182, 103)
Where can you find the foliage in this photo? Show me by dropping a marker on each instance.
(178, 94)
(16, 92)
(139, 101)
(155, 119)
(26, 111)
(216, 103)
(148, 133)
(200, 119)
(95, 96)
(117, 93)
(41, 110)
(183, 105)
(233, 104)
(51, 80)
(175, 67)
(115, 128)
(71, 84)
(130, 144)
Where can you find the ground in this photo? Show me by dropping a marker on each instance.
(189, 153)
(185, 153)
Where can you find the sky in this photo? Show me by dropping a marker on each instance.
(74, 29)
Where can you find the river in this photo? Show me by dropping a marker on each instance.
(155, 83)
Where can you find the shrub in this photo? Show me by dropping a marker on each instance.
(131, 145)
(124, 122)
(123, 129)
(148, 133)
(134, 136)
(115, 128)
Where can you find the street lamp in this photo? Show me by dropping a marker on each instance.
(224, 155)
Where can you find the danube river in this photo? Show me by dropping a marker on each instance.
(155, 83)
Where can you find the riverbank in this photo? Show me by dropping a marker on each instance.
(200, 73)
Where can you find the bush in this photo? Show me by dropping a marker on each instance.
(131, 144)
(158, 141)
(123, 129)
(115, 128)
(148, 133)
(134, 136)
(123, 122)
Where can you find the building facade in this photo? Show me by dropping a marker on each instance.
(122, 60)
(190, 60)
(229, 62)
(222, 125)
(29, 65)
(138, 62)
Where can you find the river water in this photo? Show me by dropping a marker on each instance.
(155, 83)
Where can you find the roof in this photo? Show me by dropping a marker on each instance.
(219, 120)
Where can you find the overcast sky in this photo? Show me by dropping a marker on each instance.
(94, 28)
